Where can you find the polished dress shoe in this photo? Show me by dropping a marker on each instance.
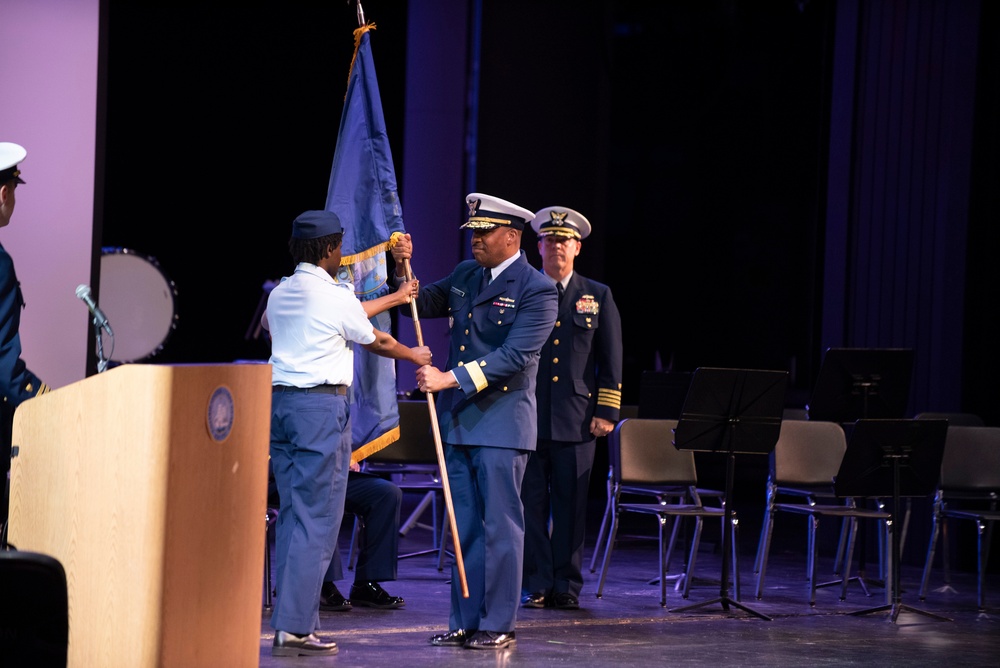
(371, 595)
(330, 599)
(454, 638)
(536, 600)
(565, 601)
(491, 640)
(289, 644)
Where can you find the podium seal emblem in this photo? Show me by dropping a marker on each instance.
(220, 413)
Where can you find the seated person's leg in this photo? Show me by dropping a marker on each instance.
(330, 598)
(378, 502)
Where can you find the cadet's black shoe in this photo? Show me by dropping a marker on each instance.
(565, 601)
(330, 599)
(289, 644)
(371, 595)
(454, 638)
(491, 640)
(536, 600)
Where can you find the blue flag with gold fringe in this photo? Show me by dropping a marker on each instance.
(363, 194)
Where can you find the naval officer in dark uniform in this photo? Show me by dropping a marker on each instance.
(17, 382)
(486, 410)
(579, 397)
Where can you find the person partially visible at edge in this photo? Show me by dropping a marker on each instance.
(579, 398)
(313, 321)
(17, 382)
(501, 310)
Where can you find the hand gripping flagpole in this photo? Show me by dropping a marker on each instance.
(435, 428)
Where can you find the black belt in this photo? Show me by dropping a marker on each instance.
(321, 389)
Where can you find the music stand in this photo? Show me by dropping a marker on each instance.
(897, 458)
(861, 383)
(858, 384)
(731, 411)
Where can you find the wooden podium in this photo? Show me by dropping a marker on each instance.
(149, 484)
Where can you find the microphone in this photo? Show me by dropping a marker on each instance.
(100, 320)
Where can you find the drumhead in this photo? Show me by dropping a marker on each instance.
(138, 299)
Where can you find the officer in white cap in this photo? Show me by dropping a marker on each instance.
(11, 156)
(579, 398)
(501, 310)
(17, 383)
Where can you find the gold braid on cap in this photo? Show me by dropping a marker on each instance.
(558, 227)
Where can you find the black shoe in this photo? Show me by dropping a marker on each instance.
(289, 644)
(565, 601)
(371, 595)
(330, 599)
(491, 640)
(455, 638)
(536, 600)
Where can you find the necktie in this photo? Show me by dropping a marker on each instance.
(561, 289)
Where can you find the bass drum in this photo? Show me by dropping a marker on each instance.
(138, 299)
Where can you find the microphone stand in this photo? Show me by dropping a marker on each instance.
(102, 361)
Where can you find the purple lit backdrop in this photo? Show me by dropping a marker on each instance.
(49, 53)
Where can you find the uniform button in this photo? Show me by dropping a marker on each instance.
(555, 342)
(470, 315)
(555, 360)
(555, 379)
(466, 332)
(558, 324)
(462, 348)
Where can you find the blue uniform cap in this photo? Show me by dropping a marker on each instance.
(316, 224)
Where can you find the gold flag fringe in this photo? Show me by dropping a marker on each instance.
(358, 32)
(368, 449)
(348, 260)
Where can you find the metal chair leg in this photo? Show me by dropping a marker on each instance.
(608, 546)
(603, 529)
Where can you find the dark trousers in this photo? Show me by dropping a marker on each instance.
(6, 434)
(556, 485)
(376, 501)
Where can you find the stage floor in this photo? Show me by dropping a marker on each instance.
(627, 626)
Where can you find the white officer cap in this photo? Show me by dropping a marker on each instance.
(560, 221)
(10, 156)
(487, 212)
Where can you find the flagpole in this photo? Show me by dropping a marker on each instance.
(436, 429)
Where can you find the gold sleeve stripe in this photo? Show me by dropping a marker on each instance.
(611, 398)
(477, 376)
